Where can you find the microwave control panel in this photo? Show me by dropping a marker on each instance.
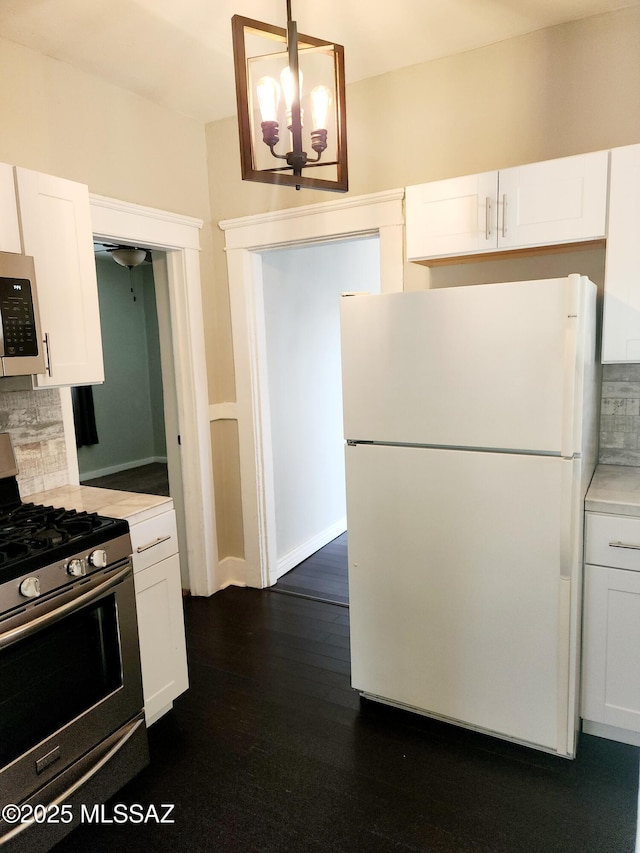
(19, 337)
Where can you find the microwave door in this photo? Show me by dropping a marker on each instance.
(21, 351)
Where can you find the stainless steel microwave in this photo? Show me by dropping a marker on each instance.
(21, 348)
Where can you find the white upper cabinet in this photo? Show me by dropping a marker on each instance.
(554, 202)
(621, 323)
(56, 229)
(9, 228)
(458, 216)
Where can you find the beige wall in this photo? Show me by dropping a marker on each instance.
(552, 93)
(59, 120)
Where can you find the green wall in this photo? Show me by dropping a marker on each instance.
(128, 406)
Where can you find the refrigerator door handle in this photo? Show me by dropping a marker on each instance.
(568, 440)
(624, 545)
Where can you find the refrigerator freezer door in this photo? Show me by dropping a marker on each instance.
(487, 366)
(461, 569)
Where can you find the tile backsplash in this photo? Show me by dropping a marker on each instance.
(34, 421)
(620, 414)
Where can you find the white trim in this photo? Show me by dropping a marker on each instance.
(73, 471)
(223, 412)
(178, 236)
(122, 466)
(146, 225)
(333, 220)
(245, 239)
(294, 557)
(611, 732)
(234, 570)
(315, 210)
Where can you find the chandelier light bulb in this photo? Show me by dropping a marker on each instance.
(268, 98)
(286, 79)
(320, 103)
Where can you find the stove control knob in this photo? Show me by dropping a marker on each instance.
(98, 558)
(30, 587)
(76, 568)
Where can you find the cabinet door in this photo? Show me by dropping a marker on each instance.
(56, 228)
(9, 229)
(557, 201)
(611, 651)
(163, 653)
(621, 320)
(453, 217)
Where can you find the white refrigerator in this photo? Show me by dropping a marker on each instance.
(471, 422)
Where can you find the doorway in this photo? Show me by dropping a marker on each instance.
(175, 240)
(302, 289)
(128, 454)
(247, 241)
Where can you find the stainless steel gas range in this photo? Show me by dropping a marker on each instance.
(72, 728)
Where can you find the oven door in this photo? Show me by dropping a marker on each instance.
(70, 676)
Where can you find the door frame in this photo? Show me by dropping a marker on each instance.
(179, 238)
(246, 238)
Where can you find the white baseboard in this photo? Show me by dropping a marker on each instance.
(611, 732)
(306, 549)
(231, 572)
(123, 466)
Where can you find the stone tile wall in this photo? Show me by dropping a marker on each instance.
(620, 414)
(33, 419)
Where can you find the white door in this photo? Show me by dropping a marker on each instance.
(557, 201)
(481, 366)
(459, 596)
(621, 312)
(611, 689)
(457, 216)
(56, 229)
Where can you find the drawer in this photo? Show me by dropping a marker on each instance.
(612, 540)
(154, 540)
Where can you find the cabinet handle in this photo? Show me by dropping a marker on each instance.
(624, 545)
(153, 544)
(487, 218)
(47, 348)
(504, 215)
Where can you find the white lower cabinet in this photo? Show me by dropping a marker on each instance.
(163, 654)
(611, 634)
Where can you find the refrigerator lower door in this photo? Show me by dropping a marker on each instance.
(462, 600)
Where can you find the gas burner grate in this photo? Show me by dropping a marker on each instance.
(34, 535)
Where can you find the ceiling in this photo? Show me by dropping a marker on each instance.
(178, 52)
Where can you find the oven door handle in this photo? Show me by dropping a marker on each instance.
(86, 777)
(34, 625)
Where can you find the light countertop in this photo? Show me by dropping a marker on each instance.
(133, 506)
(614, 489)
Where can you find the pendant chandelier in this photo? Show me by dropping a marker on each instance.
(290, 92)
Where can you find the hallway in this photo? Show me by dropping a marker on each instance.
(322, 576)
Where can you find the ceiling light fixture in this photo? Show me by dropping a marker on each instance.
(271, 65)
(127, 256)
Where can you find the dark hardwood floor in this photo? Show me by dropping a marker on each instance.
(271, 750)
(149, 479)
(322, 576)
